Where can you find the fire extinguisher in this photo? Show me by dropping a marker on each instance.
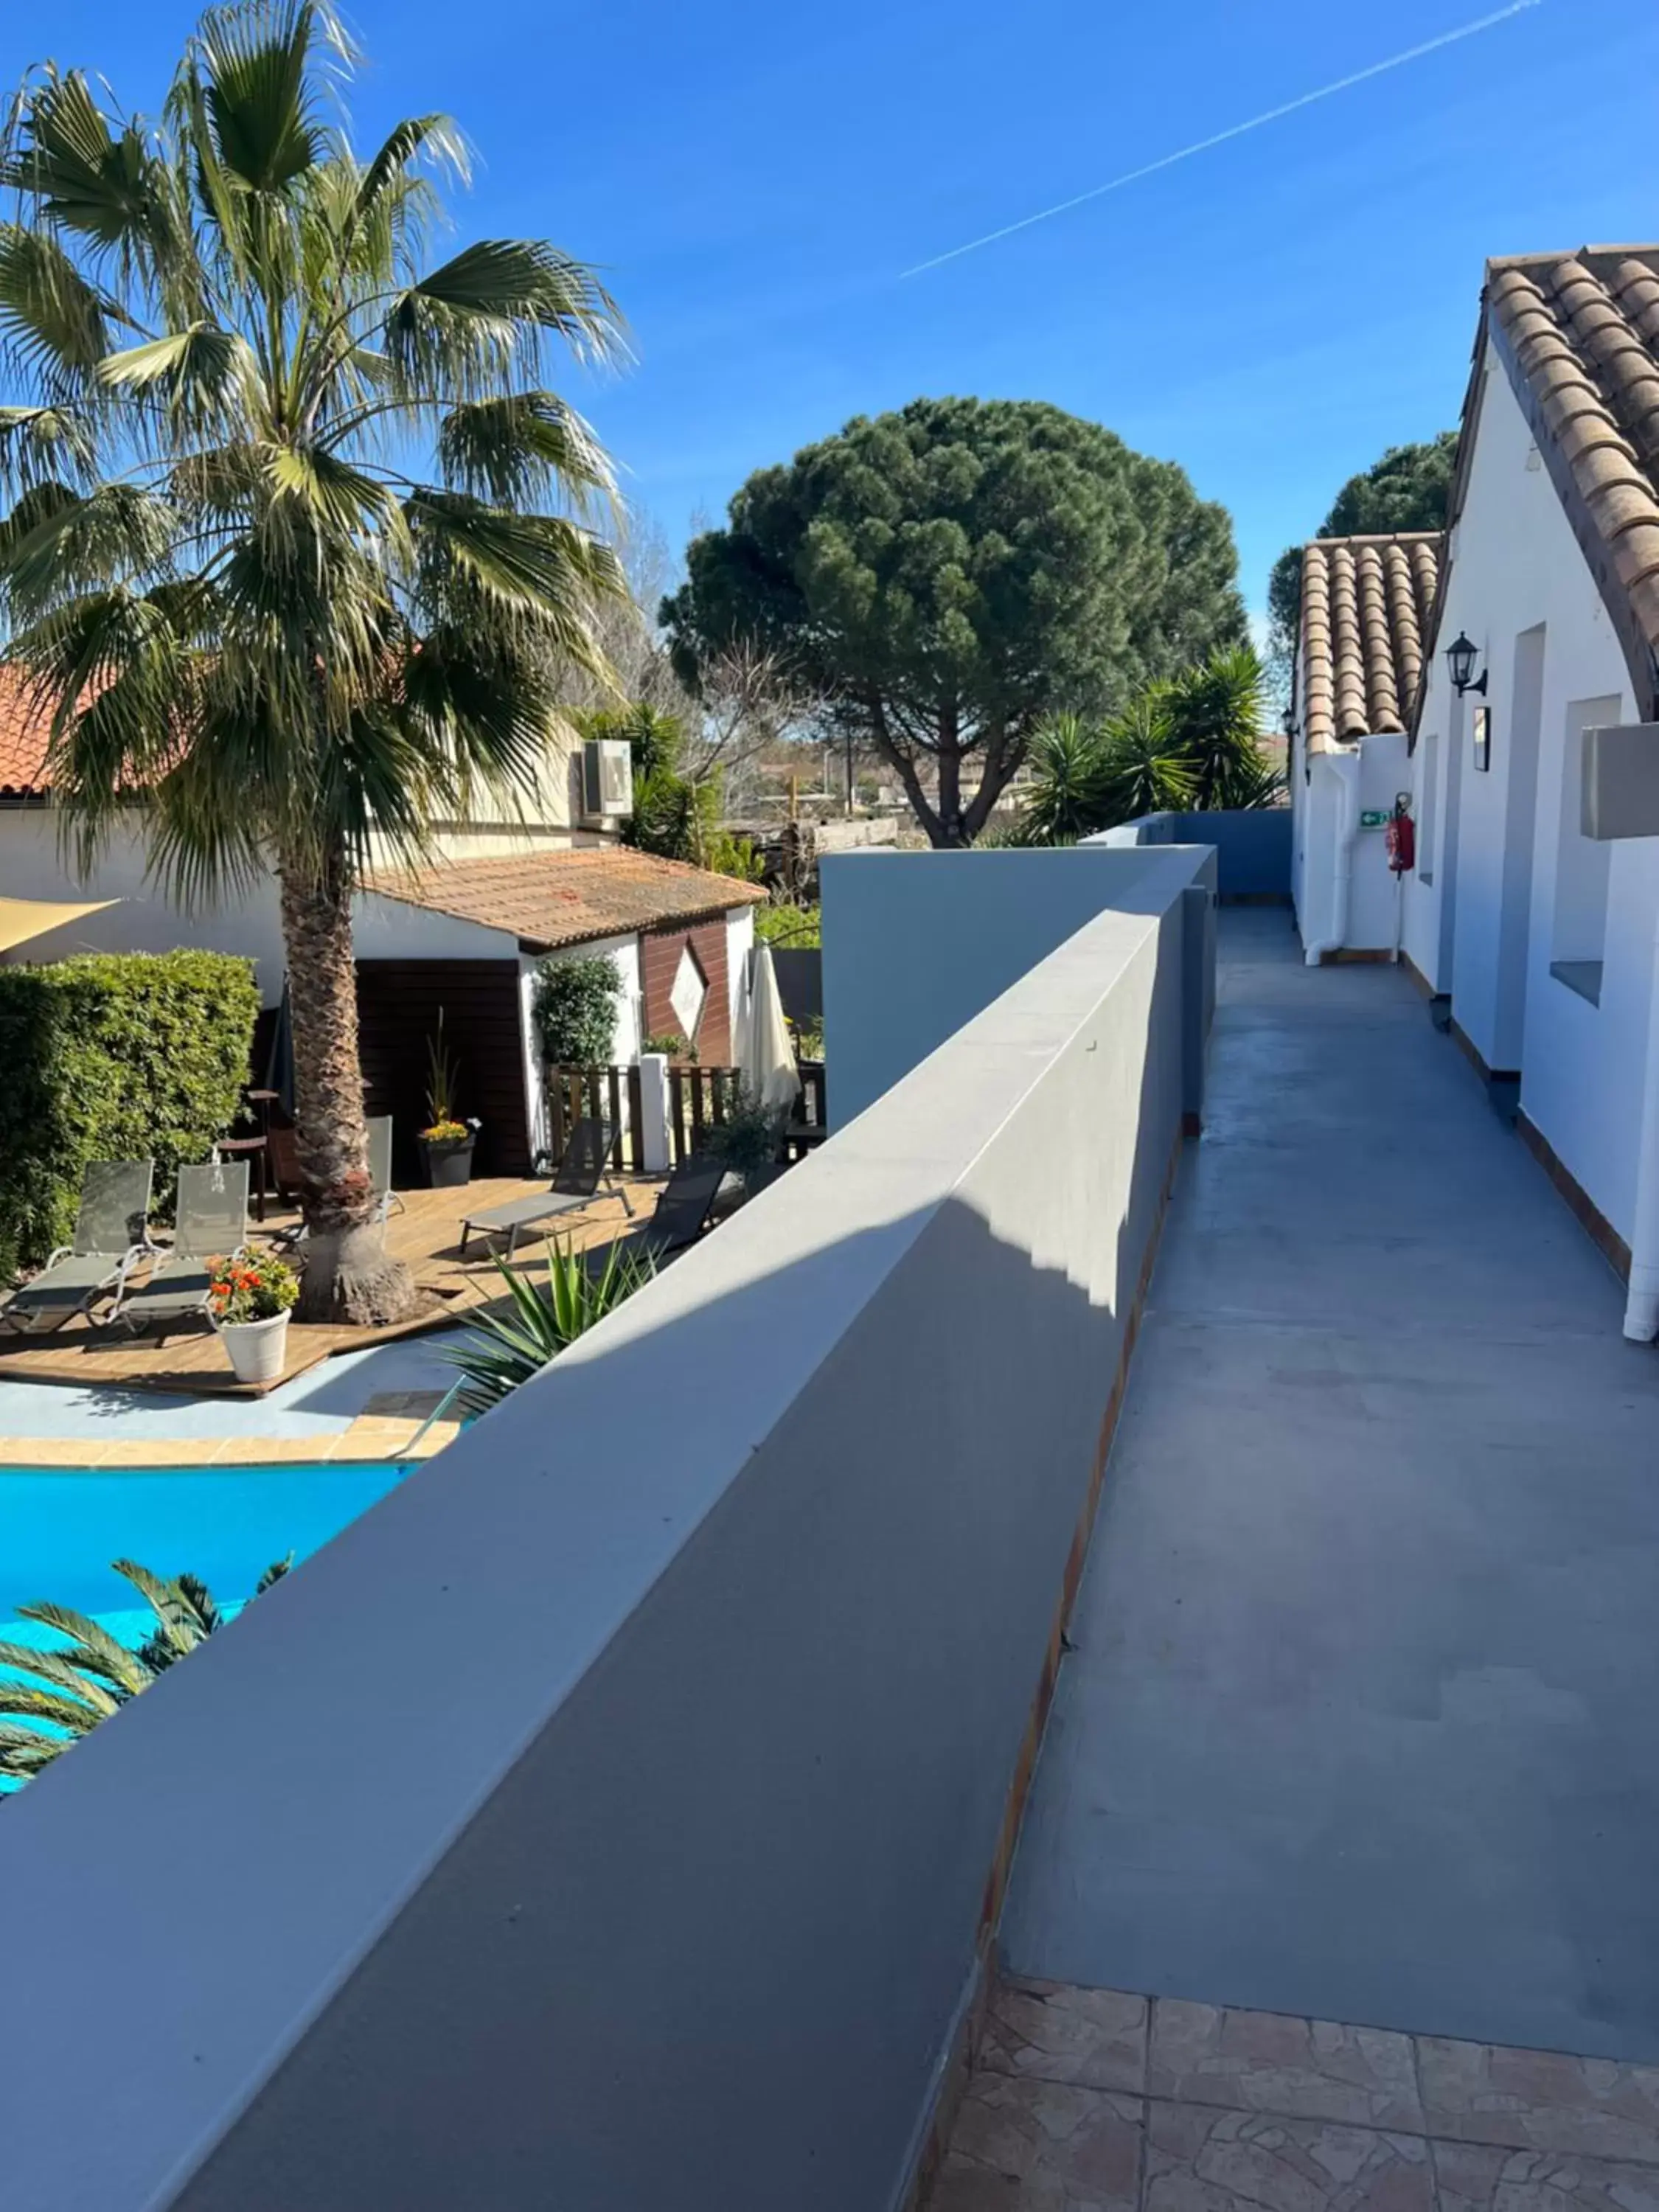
(1399, 838)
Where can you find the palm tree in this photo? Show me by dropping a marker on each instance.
(238, 604)
(75, 1686)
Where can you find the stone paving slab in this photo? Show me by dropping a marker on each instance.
(1103, 2101)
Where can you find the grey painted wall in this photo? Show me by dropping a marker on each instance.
(602, 1821)
(917, 944)
(1253, 845)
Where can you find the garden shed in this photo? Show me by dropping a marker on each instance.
(468, 936)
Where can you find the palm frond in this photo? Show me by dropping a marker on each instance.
(64, 1693)
(516, 449)
(87, 177)
(115, 533)
(435, 137)
(54, 321)
(96, 1651)
(467, 324)
(254, 58)
(43, 445)
(542, 568)
(64, 1670)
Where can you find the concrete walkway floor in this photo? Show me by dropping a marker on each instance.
(1363, 1721)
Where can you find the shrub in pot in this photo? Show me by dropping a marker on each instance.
(447, 1141)
(252, 1293)
(748, 1141)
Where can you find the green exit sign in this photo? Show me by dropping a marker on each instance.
(1374, 818)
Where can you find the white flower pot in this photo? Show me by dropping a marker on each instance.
(258, 1349)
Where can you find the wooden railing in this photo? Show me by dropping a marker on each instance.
(699, 1099)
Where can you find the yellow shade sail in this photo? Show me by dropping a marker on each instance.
(22, 919)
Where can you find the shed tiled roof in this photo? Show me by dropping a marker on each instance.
(1366, 604)
(1580, 336)
(570, 897)
(25, 732)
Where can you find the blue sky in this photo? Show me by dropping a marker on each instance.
(754, 179)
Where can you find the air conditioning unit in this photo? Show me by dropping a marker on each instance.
(607, 780)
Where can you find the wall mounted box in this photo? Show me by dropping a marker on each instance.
(1620, 795)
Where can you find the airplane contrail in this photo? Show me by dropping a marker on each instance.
(1237, 131)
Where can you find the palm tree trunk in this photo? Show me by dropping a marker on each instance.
(348, 1276)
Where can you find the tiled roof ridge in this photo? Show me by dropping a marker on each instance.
(1366, 602)
(1357, 537)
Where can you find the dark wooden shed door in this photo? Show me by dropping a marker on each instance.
(398, 1004)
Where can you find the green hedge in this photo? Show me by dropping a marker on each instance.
(117, 1056)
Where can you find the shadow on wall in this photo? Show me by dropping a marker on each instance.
(605, 1818)
(717, 1921)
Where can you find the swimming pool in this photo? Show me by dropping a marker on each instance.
(60, 1528)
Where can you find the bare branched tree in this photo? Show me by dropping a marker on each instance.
(750, 702)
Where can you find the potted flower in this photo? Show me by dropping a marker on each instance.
(446, 1142)
(251, 1292)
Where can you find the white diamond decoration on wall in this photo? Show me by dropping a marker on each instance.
(690, 989)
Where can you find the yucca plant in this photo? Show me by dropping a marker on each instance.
(1215, 711)
(511, 1343)
(1144, 766)
(1065, 800)
(70, 1689)
(301, 545)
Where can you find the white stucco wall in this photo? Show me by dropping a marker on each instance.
(1484, 927)
(33, 866)
(1318, 814)
(388, 929)
(1378, 767)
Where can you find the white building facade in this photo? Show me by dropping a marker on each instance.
(1541, 938)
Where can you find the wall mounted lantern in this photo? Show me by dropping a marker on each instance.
(1460, 657)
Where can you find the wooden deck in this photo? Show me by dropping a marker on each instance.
(426, 1234)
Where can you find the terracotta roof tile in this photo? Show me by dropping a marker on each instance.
(25, 728)
(1366, 609)
(550, 899)
(1582, 331)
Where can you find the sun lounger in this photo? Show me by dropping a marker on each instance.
(212, 1225)
(108, 1243)
(680, 1216)
(585, 1165)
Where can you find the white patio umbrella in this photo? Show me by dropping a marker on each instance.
(765, 1058)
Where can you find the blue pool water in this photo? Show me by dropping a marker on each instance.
(59, 1529)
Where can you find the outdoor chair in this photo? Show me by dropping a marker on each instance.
(212, 1223)
(585, 1166)
(109, 1242)
(681, 1215)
